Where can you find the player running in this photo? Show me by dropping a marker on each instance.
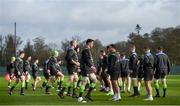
(88, 71)
(19, 73)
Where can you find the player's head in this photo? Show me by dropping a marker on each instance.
(54, 53)
(132, 48)
(108, 48)
(122, 55)
(112, 47)
(21, 54)
(146, 49)
(13, 59)
(29, 58)
(159, 49)
(77, 49)
(36, 60)
(102, 52)
(90, 43)
(73, 43)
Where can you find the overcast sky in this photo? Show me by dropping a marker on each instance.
(108, 20)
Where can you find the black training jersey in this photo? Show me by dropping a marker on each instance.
(162, 62)
(27, 66)
(133, 62)
(86, 60)
(19, 65)
(113, 63)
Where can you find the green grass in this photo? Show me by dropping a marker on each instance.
(39, 98)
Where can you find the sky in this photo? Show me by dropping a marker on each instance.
(107, 20)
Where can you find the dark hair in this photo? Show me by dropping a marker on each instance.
(113, 46)
(35, 59)
(123, 54)
(89, 40)
(146, 48)
(21, 52)
(71, 43)
(77, 47)
(107, 47)
(160, 48)
(132, 46)
(102, 51)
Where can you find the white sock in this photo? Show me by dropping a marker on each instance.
(119, 96)
(115, 96)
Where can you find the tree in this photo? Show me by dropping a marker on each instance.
(41, 50)
(28, 49)
(1, 50)
(138, 28)
(10, 46)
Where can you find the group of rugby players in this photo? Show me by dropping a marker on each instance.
(113, 70)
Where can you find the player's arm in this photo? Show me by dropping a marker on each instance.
(169, 65)
(87, 58)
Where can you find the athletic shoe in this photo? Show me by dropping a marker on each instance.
(149, 99)
(61, 95)
(80, 99)
(10, 93)
(110, 93)
(117, 99)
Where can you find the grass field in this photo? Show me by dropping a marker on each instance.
(39, 98)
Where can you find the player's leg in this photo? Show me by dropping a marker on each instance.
(75, 80)
(123, 84)
(120, 83)
(82, 88)
(139, 84)
(134, 76)
(36, 81)
(149, 90)
(156, 83)
(93, 79)
(164, 83)
(116, 90)
(129, 84)
(110, 93)
(22, 84)
(28, 77)
(60, 81)
(135, 87)
(14, 85)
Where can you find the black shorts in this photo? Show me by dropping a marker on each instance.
(34, 75)
(140, 74)
(53, 72)
(148, 75)
(160, 74)
(46, 75)
(71, 70)
(115, 76)
(124, 74)
(85, 73)
(134, 74)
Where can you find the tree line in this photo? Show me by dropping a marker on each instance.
(168, 38)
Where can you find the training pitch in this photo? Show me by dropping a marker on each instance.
(38, 97)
